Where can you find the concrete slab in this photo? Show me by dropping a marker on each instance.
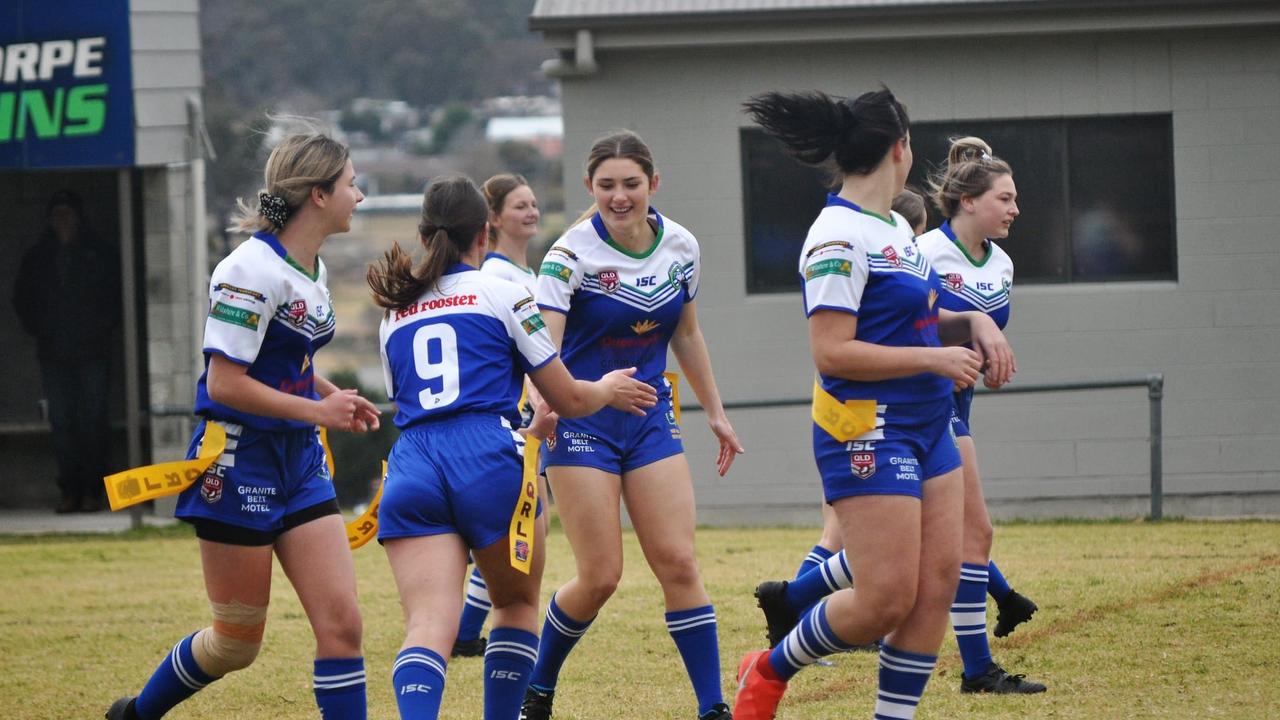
(40, 522)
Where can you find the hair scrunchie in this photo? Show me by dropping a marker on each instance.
(274, 209)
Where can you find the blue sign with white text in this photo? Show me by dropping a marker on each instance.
(66, 84)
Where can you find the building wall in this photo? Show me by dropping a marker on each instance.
(165, 36)
(166, 76)
(171, 335)
(1213, 332)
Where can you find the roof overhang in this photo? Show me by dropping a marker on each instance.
(681, 23)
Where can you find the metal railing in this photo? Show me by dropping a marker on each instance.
(1154, 383)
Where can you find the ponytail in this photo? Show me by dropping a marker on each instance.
(453, 214)
(815, 126)
(970, 171)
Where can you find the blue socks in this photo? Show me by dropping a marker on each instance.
(559, 634)
(969, 618)
(812, 639)
(177, 678)
(418, 679)
(903, 676)
(832, 575)
(339, 688)
(475, 610)
(997, 586)
(694, 631)
(816, 557)
(418, 676)
(508, 665)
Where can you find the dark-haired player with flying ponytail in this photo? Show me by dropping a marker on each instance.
(882, 436)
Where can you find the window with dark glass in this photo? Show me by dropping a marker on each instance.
(1096, 196)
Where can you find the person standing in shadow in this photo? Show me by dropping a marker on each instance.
(67, 296)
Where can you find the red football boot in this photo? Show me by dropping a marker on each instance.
(759, 689)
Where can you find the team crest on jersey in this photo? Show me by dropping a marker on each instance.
(891, 255)
(675, 274)
(954, 281)
(211, 486)
(298, 312)
(862, 464)
(608, 280)
(522, 551)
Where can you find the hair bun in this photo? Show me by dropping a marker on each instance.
(967, 149)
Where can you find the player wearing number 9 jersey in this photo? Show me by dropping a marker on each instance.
(513, 222)
(456, 344)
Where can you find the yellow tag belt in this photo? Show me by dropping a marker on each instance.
(150, 482)
(843, 421)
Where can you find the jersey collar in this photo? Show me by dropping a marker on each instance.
(837, 201)
(945, 227)
(274, 243)
(499, 256)
(598, 223)
(458, 268)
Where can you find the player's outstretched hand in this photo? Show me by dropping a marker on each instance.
(730, 448)
(627, 393)
(365, 418)
(998, 363)
(959, 364)
(337, 411)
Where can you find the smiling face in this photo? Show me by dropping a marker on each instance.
(519, 217)
(994, 210)
(341, 204)
(621, 190)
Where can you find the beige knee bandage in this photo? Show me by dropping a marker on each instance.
(233, 641)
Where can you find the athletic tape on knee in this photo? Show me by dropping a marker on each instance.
(233, 641)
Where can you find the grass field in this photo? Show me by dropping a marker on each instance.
(1137, 620)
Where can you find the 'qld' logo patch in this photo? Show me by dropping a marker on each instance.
(954, 281)
(211, 487)
(608, 280)
(862, 464)
(891, 255)
(298, 312)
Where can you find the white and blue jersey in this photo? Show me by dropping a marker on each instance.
(862, 264)
(504, 267)
(621, 310)
(464, 346)
(969, 285)
(621, 307)
(869, 266)
(266, 312)
(454, 362)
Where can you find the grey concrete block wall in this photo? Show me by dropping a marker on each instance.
(1212, 332)
(171, 354)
